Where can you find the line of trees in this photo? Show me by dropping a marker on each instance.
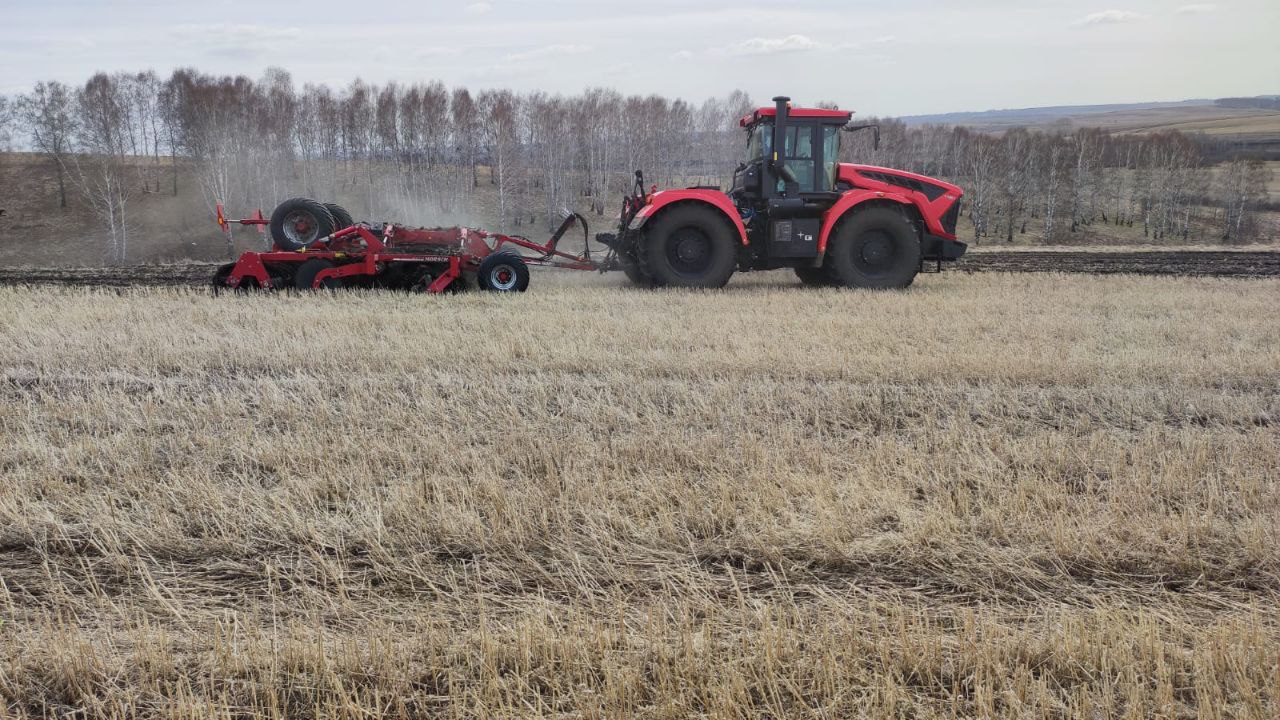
(422, 150)
(1069, 180)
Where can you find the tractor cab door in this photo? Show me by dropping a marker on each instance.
(810, 151)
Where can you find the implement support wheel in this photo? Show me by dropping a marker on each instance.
(503, 272)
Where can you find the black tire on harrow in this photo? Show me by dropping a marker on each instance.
(305, 278)
(297, 223)
(341, 218)
(503, 272)
(877, 248)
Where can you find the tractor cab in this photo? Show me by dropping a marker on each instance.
(788, 175)
(810, 148)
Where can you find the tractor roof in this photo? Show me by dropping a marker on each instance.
(841, 116)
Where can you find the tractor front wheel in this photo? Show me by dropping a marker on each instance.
(689, 246)
(876, 248)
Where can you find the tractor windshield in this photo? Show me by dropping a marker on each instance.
(759, 142)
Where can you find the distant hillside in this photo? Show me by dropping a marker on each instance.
(1223, 116)
(1236, 126)
(1040, 115)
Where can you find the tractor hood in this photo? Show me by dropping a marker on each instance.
(872, 177)
(937, 200)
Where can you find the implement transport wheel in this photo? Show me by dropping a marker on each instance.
(297, 223)
(814, 277)
(305, 278)
(690, 246)
(341, 218)
(876, 248)
(503, 272)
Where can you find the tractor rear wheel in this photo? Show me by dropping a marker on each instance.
(503, 272)
(814, 277)
(876, 248)
(341, 218)
(299, 222)
(634, 272)
(305, 278)
(689, 246)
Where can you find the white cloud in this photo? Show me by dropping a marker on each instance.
(549, 51)
(232, 40)
(1108, 17)
(682, 55)
(773, 46)
(242, 32)
(1197, 9)
(478, 8)
(776, 46)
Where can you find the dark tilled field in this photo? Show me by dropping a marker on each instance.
(1189, 262)
(1184, 263)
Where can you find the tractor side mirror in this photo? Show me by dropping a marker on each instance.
(875, 129)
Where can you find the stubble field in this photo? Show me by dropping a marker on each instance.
(993, 495)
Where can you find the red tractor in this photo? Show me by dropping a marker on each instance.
(792, 204)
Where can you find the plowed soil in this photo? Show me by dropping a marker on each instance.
(1183, 263)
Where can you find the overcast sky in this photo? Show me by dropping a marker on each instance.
(893, 57)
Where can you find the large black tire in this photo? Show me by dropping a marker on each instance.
(341, 218)
(875, 248)
(297, 223)
(814, 277)
(636, 274)
(305, 278)
(689, 246)
(503, 272)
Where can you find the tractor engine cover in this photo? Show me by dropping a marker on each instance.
(794, 237)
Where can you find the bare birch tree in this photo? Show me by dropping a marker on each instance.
(1241, 185)
(46, 114)
(101, 167)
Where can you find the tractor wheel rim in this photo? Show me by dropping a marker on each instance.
(689, 250)
(502, 277)
(876, 252)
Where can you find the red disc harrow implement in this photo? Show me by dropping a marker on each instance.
(317, 246)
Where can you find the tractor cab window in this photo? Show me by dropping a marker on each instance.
(830, 155)
(798, 155)
(759, 142)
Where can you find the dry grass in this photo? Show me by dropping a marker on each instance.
(995, 496)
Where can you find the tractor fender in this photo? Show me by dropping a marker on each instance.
(847, 203)
(714, 198)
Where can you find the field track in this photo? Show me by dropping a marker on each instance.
(1185, 263)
